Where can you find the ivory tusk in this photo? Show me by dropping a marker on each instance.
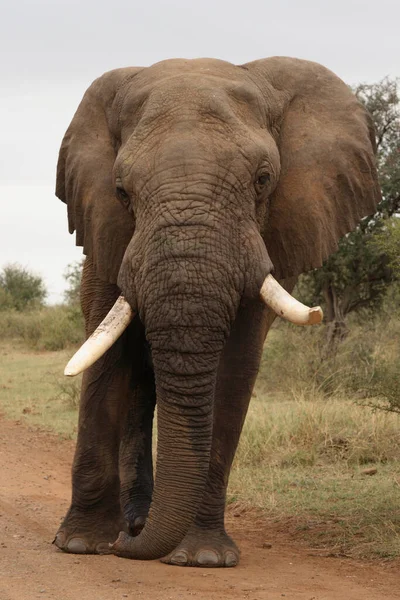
(287, 307)
(109, 330)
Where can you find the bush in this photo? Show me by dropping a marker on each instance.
(6, 301)
(49, 328)
(20, 289)
(73, 277)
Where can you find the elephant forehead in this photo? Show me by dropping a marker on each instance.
(199, 94)
(199, 68)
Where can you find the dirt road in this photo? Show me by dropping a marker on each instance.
(34, 494)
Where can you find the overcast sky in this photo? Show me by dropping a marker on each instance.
(51, 50)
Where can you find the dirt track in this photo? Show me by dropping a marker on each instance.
(34, 494)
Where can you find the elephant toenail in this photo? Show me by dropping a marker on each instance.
(207, 558)
(179, 558)
(76, 546)
(59, 540)
(230, 559)
(103, 548)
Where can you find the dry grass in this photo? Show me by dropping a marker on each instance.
(307, 432)
(302, 462)
(32, 389)
(365, 367)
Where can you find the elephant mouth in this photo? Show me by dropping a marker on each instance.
(121, 314)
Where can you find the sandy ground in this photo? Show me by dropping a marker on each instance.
(34, 494)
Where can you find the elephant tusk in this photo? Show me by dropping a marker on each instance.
(109, 330)
(287, 307)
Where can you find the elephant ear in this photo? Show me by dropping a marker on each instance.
(328, 179)
(84, 177)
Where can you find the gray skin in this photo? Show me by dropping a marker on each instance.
(183, 181)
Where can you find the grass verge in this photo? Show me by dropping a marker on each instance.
(304, 463)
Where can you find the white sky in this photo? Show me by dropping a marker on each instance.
(51, 50)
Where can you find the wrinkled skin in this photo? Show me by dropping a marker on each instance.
(187, 183)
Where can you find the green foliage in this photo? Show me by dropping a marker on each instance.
(354, 277)
(48, 328)
(19, 289)
(387, 243)
(6, 300)
(73, 277)
(383, 103)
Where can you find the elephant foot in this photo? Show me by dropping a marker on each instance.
(204, 548)
(83, 535)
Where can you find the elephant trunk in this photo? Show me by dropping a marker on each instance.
(187, 304)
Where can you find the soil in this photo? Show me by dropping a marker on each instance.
(34, 494)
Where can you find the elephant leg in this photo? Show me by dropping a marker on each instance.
(136, 460)
(207, 544)
(94, 518)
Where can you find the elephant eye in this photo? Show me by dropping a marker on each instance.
(122, 196)
(263, 179)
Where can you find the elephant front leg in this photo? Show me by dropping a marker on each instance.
(94, 518)
(207, 544)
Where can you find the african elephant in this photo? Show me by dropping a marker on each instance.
(188, 183)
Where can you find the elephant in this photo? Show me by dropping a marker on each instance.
(189, 183)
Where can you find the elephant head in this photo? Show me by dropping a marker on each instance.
(187, 183)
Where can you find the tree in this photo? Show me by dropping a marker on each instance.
(357, 274)
(387, 242)
(19, 289)
(73, 276)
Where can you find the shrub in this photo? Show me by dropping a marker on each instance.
(49, 328)
(20, 289)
